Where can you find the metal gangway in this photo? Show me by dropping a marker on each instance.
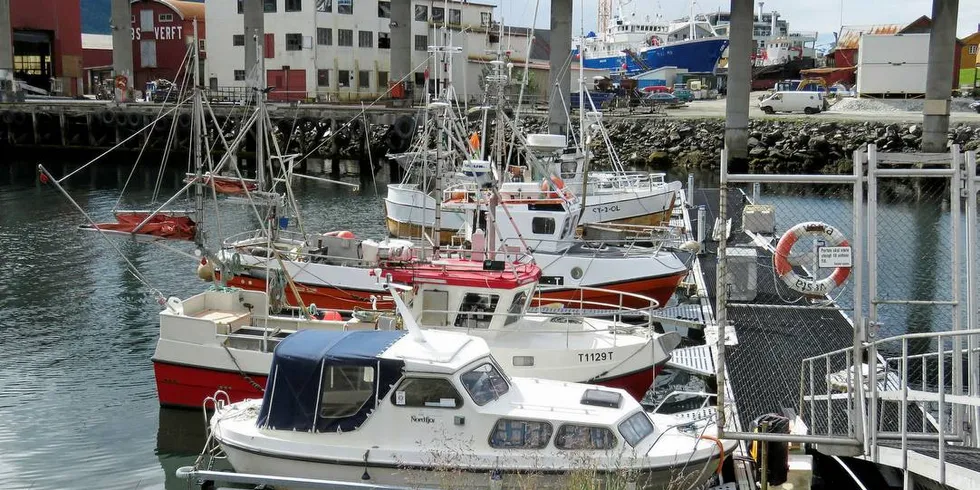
(908, 400)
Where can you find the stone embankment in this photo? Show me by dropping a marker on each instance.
(775, 146)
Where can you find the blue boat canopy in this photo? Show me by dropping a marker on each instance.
(328, 381)
(590, 34)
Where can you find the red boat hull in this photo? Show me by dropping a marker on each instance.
(331, 298)
(187, 386)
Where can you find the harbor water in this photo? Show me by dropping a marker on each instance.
(78, 404)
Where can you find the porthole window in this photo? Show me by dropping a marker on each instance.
(577, 272)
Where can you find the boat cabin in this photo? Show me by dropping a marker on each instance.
(478, 299)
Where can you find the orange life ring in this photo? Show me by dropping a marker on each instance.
(457, 197)
(784, 268)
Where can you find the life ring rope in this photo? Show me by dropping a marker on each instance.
(784, 267)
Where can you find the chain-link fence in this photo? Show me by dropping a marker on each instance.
(809, 258)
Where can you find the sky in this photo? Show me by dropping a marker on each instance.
(821, 16)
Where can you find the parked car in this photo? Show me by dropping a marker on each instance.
(793, 101)
(683, 93)
(661, 98)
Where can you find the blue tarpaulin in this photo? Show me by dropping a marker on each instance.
(293, 386)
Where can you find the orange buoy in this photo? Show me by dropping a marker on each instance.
(330, 315)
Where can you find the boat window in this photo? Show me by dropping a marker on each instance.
(584, 437)
(516, 308)
(426, 392)
(635, 428)
(484, 383)
(568, 227)
(435, 306)
(520, 434)
(345, 389)
(476, 310)
(543, 226)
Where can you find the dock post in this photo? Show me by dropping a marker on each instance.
(401, 44)
(690, 189)
(764, 458)
(37, 134)
(122, 44)
(561, 46)
(6, 47)
(64, 127)
(253, 16)
(739, 80)
(88, 128)
(702, 222)
(756, 192)
(721, 294)
(939, 76)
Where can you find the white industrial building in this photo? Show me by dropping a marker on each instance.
(337, 50)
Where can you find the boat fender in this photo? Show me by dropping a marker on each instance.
(175, 305)
(341, 234)
(404, 127)
(6, 117)
(120, 118)
(784, 268)
(107, 117)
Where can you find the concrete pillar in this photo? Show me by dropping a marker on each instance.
(739, 80)
(939, 77)
(561, 46)
(6, 37)
(122, 41)
(254, 18)
(401, 41)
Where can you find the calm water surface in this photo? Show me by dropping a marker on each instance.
(78, 404)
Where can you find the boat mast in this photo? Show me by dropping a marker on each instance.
(583, 100)
(198, 113)
(259, 121)
(693, 30)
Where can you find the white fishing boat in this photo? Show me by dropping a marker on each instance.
(224, 339)
(436, 410)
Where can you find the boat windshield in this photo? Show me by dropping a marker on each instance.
(516, 309)
(484, 383)
(635, 428)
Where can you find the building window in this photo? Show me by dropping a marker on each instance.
(239, 75)
(485, 19)
(323, 78)
(973, 49)
(294, 5)
(584, 437)
(294, 42)
(426, 393)
(365, 39)
(201, 45)
(422, 13)
(238, 40)
(269, 6)
(345, 37)
(384, 42)
(345, 390)
(165, 17)
(438, 14)
(382, 80)
(542, 226)
(345, 7)
(421, 42)
(455, 16)
(343, 78)
(520, 434)
(324, 36)
(484, 383)
(324, 5)
(384, 9)
(363, 79)
(419, 79)
(241, 6)
(148, 54)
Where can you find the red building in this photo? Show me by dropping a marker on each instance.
(47, 42)
(162, 32)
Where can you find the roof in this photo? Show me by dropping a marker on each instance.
(185, 9)
(336, 347)
(439, 352)
(97, 41)
(851, 35)
(971, 39)
(465, 273)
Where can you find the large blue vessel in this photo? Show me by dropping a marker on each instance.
(631, 47)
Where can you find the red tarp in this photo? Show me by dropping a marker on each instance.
(227, 185)
(161, 225)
